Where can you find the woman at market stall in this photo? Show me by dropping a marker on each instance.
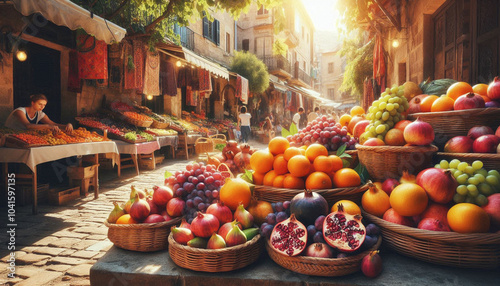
(32, 117)
(244, 123)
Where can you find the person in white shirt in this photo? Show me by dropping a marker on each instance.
(244, 124)
(296, 117)
(313, 115)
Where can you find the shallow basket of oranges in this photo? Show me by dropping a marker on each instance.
(464, 250)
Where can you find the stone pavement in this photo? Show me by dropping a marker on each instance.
(60, 244)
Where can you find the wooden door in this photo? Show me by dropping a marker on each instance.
(487, 40)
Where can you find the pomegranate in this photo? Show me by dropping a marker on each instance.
(231, 146)
(493, 90)
(242, 161)
(459, 144)
(371, 265)
(436, 211)
(221, 212)
(140, 209)
(478, 131)
(203, 225)
(245, 148)
(439, 184)
(374, 142)
(175, 207)
(389, 184)
(153, 207)
(116, 213)
(289, 237)
(433, 224)
(493, 209)
(319, 250)
(185, 224)
(153, 218)
(181, 235)
(343, 231)
(469, 101)
(235, 237)
(486, 144)
(308, 206)
(225, 228)
(407, 178)
(162, 195)
(419, 133)
(359, 128)
(392, 216)
(216, 242)
(243, 217)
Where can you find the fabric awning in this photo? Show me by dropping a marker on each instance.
(205, 64)
(317, 96)
(66, 13)
(278, 84)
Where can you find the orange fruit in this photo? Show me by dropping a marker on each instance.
(375, 201)
(269, 178)
(344, 119)
(292, 151)
(345, 178)
(318, 180)
(278, 181)
(394, 137)
(481, 89)
(125, 219)
(468, 218)
(444, 103)
(350, 207)
(278, 145)
(258, 178)
(426, 103)
(337, 163)
(408, 199)
(314, 150)
(357, 110)
(234, 192)
(292, 182)
(261, 161)
(457, 89)
(486, 98)
(259, 210)
(299, 166)
(280, 165)
(323, 163)
(303, 147)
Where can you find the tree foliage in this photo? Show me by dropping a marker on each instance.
(250, 67)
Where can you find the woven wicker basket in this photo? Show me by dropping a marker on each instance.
(203, 145)
(138, 123)
(215, 260)
(219, 139)
(273, 195)
(160, 125)
(448, 124)
(320, 266)
(476, 250)
(384, 162)
(143, 237)
(490, 161)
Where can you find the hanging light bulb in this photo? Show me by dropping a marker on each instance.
(21, 55)
(395, 43)
(178, 63)
(149, 97)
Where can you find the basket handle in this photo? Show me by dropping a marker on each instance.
(218, 136)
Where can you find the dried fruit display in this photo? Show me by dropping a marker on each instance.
(70, 139)
(136, 116)
(30, 139)
(84, 133)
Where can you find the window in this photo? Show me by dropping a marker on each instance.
(331, 93)
(262, 11)
(330, 67)
(228, 43)
(211, 30)
(263, 46)
(245, 45)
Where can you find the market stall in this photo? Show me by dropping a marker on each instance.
(134, 150)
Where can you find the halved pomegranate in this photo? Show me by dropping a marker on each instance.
(344, 231)
(289, 237)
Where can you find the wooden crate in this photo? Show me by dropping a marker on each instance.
(61, 196)
(24, 194)
(79, 173)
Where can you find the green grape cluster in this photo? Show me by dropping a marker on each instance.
(385, 112)
(475, 182)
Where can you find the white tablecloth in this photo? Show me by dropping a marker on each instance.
(37, 155)
(137, 148)
(168, 140)
(191, 138)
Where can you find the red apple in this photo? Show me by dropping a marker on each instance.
(374, 142)
(459, 144)
(401, 125)
(493, 209)
(436, 211)
(432, 224)
(478, 131)
(486, 144)
(392, 216)
(359, 128)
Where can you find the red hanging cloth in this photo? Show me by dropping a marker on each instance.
(379, 68)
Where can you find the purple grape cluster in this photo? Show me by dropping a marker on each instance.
(323, 130)
(198, 186)
(281, 213)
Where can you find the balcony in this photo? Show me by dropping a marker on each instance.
(187, 37)
(300, 77)
(278, 66)
(303, 76)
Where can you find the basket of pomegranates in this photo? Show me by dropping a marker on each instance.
(139, 225)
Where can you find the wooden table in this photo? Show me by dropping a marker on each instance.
(133, 150)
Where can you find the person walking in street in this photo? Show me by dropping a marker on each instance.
(296, 117)
(313, 115)
(244, 123)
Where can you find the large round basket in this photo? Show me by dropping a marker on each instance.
(274, 195)
(384, 162)
(476, 250)
(139, 123)
(448, 124)
(143, 237)
(490, 161)
(320, 266)
(215, 260)
(159, 124)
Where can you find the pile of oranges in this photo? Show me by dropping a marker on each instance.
(310, 167)
(445, 102)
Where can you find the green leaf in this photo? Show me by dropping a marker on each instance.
(168, 174)
(285, 132)
(341, 150)
(362, 172)
(293, 129)
(247, 176)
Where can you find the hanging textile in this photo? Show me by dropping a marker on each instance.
(191, 97)
(74, 82)
(184, 77)
(128, 67)
(204, 79)
(152, 74)
(379, 69)
(237, 93)
(244, 90)
(92, 62)
(368, 95)
(168, 79)
(139, 64)
(115, 54)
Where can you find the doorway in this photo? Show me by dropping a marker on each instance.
(40, 73)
